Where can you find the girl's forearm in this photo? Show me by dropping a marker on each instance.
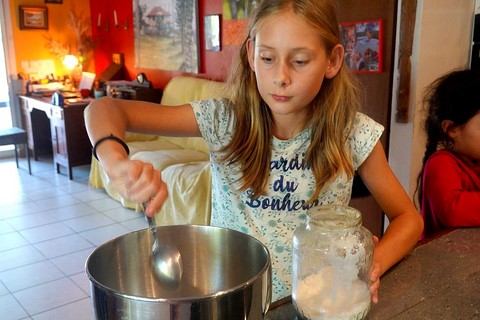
(104, 118)
(399, 239)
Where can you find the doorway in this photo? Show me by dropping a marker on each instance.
(9, 116)
(5, 112)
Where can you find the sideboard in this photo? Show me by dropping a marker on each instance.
(57, 131)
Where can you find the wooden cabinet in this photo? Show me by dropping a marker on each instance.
(37, 124)
(56, 131)
(70, 143)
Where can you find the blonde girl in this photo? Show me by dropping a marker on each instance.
(289, 137)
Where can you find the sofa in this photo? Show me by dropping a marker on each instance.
(184, 162)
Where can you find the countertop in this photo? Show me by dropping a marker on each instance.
(439, 279)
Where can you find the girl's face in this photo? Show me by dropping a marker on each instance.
(467, 139)
(290, 62)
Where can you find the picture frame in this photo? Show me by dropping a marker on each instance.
(212, 32)
(54, 1)
(31, 17)
(363, 43)
(166, 35)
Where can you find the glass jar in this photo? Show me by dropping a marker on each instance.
(332, 257)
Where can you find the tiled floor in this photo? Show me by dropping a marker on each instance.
(48, 227)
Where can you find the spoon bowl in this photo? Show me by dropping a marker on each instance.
(166, 260)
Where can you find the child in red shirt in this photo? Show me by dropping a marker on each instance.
(449, 183)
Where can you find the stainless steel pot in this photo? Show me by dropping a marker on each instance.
(227, 275)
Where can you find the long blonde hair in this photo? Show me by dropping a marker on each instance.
(332, 111)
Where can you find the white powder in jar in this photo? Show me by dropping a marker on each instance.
(331, 295)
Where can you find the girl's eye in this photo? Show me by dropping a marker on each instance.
(266, 59)
(300, 62)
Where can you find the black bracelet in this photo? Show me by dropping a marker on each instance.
(110, 137)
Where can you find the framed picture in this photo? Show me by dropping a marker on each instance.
(33, 17)
(54, 1)
(212, 32)
(363, 43)
(236, 14)
(166, 35)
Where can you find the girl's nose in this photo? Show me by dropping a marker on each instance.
(282, 77)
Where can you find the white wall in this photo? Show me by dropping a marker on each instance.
(442, 41)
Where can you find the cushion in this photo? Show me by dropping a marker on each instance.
(130, 136)
(189, 194)
(161, 160)
(153, 145)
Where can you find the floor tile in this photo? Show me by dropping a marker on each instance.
(49, 226)
(3, 289)
(46, 232)
(19, 209)
(81, 279)
(10, 309)
(72, 263)
(57, 202)
(90, 194)
(12, 240)
(5, 227)
(105, 204)
(62, 246)
(12, 197)
(46, 193)
(74, 187)
(30, 275)
(19, 257)
(30, 221)
(89, 222)
(135, 224)
(122, 214)
(78, 310)
(73, 211)
(102, 235)
(49, 295)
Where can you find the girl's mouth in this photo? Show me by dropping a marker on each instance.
(279, 98)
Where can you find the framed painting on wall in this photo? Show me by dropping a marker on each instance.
(166, 35)
(363, 43)
(235, 20)
(33, 17)
(212, 32)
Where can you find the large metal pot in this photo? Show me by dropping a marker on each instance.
(227, 275)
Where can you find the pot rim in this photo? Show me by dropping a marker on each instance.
(266, 269)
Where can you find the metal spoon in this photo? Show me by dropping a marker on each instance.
(166, 260)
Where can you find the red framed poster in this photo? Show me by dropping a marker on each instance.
(363, 43)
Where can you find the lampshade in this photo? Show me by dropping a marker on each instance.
(70, 61)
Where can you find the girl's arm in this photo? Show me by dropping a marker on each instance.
(135, 180)
(406, 223)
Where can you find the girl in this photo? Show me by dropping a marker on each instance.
(288, 138)
(449, 183)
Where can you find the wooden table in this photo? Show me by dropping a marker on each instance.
(440, 279)
(57, 131)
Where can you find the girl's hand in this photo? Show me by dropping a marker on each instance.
(138, 182)
(375, 276)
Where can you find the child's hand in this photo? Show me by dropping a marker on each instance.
(374, 276)
(139, 182)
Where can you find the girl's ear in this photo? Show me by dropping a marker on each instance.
(335, 62)
(449, 128)
(251, 53)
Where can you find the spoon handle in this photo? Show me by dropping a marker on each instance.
(151, 222)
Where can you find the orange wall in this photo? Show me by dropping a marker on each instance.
(30, 44)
